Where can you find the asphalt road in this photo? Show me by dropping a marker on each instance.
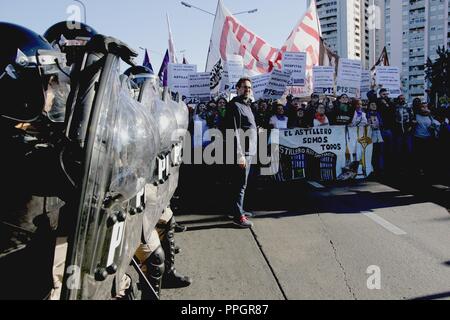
(363, 240)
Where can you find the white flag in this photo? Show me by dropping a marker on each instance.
(172, 55)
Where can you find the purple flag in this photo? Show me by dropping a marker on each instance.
(147, 62)
(162, 74)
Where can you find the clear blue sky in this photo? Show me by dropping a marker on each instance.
(142, 23)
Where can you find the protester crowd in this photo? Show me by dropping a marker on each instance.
(409, 137)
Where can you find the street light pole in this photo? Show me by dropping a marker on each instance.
(249, 11)
(191, 6)
(188, 5)
(153, 51)
(84, 9)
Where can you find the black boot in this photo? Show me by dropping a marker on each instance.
(178, 227)
(171, 278)
(155, 269)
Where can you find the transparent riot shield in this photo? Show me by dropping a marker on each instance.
(115, 169)
(181, 114)
(157, 191)
(140, 146)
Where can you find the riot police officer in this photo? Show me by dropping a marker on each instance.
(71, 38)
(32, 86)
(157, 252)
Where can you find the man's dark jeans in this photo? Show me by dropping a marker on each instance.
(239, 178)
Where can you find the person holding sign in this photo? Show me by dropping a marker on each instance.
(239, 118)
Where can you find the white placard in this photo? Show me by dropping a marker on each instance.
(389, 78)
(349, 78)
(199, 86)
(365, 83)
(178, 77)
(323, 80)
(295, 63)
(259, 85)
(235, 68)
(277, 84)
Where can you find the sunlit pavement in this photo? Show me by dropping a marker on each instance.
(358, 240)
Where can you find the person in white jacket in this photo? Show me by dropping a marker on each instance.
(359, 117)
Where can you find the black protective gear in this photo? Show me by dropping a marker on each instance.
(155, 269)
(171, 278)
(28, 66)
(180, 228)
(70, 37)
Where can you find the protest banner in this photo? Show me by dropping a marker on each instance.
(276, 86)
(389, 78)
(360, 149)
(259, 85)
(349, 78)
(295, 63)
(178, 77)
(199, 86)
(322, 153)
(323, 80)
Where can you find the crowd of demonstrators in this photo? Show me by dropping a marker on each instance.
(408, 137)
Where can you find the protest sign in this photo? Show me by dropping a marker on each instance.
(199, 86)
(389, 78)
(349, 78)
(259, 85)
(276, 86)
(234, 67)
(323, 80)
(178, 77)
(365, 83)
(295, 63)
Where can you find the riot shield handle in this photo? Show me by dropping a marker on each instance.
(105, 45)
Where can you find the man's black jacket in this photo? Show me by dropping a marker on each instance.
(239, 115)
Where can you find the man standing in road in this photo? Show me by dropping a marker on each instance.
(240, 119)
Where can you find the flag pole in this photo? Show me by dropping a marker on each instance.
(212, 33)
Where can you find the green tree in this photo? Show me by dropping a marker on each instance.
(438, 74)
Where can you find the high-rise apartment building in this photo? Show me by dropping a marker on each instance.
(344, 26)
(413, 31)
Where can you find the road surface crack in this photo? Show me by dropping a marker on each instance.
(280, 287)
(336, 257)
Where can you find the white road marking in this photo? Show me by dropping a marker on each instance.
(385, 224)
(316, 185)
(441, 187)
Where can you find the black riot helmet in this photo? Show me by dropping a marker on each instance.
(29, 69)
(70, 37)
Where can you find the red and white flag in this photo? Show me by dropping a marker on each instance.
(306, 38)
(230, 37)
